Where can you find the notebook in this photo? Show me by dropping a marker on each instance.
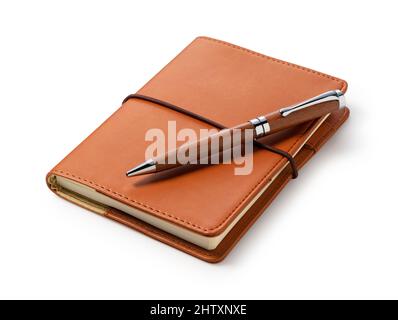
(205, 210)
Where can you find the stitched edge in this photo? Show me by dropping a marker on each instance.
(342, 87)
(119, 195)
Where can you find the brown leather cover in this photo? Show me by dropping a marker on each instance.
(220, 81)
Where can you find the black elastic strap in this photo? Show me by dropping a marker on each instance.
(166, 104)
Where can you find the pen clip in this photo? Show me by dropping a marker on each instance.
(334, 95)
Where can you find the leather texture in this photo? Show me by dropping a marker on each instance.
(230, 85)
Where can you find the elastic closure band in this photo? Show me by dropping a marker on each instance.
(166, 104)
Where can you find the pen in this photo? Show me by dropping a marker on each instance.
(262, 126)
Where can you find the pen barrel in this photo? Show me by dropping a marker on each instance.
(278, 122)
(212, 149)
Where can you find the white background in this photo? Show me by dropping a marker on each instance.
(66, 66)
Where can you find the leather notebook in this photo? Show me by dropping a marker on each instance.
(206, 210)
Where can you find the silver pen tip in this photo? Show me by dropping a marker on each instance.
(144, 168)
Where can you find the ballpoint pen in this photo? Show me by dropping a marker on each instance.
(262, 126)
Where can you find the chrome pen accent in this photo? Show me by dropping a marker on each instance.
(148, 166)
(261, 126)
(334, 95)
